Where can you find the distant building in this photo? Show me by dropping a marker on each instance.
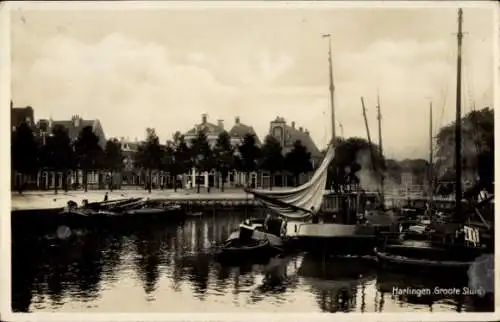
(236, 133)
(240, 130)
(407, 178)
(74, 127)
(211, 130)
(129, 175)
(287, 135)
(21, 114)
(43, 129)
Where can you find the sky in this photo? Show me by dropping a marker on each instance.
(164, 67)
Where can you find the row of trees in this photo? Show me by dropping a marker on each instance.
(179, 157)
(58, 153)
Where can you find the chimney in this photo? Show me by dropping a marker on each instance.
(76, 120)
(204, 118)
(237, 120)
(293, 124)
(220, 123)
(11, 104)
(307, 131)
(301, 129)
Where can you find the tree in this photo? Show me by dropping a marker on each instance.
(393, 171)
(113, 159)
(149, 155)
(248, 154)
(298, 161)
(353, 157)
(24, 150)
(182, 157)
(272, 157)
(58, 154)
(477, 148)
(224, 156)
(168, 161)
(88, 152)
(201, 156)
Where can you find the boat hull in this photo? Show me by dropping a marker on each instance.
(247, 245)
(421, 265)
(257, 250)
(335, 239)
(41, 222)
(425, 257)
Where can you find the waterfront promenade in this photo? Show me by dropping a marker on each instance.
(48, 199)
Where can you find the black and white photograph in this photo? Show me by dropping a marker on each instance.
(249, 157)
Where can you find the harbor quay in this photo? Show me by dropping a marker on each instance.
(41, 200)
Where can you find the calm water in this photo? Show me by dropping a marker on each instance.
(170, 269)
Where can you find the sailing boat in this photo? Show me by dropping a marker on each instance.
(300, 207)
(455, 245)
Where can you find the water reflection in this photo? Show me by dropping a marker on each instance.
(336, 281)
(169, 268)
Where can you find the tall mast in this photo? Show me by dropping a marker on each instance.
(379, 118)
(458, 121)
(431, 172)
(332, 86)
(368, 133)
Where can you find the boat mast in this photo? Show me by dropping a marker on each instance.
(431, 172)
(332, 86)
(458, 122)
(368, 134)
(379, 119)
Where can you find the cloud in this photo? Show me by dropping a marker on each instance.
(408, 75)
(128, 85)
(131, 85)
(131, 74)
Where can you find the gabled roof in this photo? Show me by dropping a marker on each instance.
(209, 128)
(74, 131)
(293, 134)
(239, 130)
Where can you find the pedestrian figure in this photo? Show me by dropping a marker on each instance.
(106, 196)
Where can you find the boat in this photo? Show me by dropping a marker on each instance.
(343, 229)
(273, 226)
(452, 246)
(249, 245)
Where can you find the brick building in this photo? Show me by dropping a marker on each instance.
(236, 133)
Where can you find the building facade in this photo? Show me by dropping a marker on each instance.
(47, 179)
(287, 135)
(212, 179)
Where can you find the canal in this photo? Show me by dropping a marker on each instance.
(169, 268)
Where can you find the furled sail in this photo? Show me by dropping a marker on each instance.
(300, 202)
